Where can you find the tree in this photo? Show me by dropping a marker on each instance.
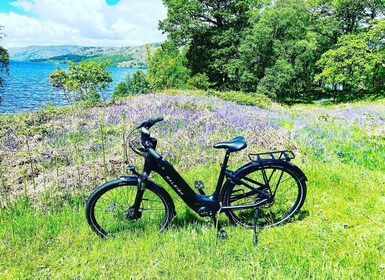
(348, 65)
(330, 19)
(4, 58)
(139, 83)
(376, 38)
(121, 90)
(357, 62)
(166, 67)
(277, 54)
(135, 84)
(199, 81)
(83, 81)
(212, 30)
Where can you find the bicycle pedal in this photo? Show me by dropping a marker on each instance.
(199, 185)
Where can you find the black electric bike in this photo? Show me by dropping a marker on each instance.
(266, 191)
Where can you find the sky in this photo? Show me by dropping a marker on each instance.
(109, 23)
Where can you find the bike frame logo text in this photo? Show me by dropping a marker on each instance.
(175, 186)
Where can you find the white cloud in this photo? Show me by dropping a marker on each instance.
(83, 22)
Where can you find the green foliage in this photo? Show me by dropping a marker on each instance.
(83, 81)
(199, 81)
(356, 63)
(211, 29)
(166, 68)
(346, 65)
(283, 49)
(112, 60)
(242, 98)
(4, 58)
(251, 99)
(121, 90)
(277, 80)
(277, 56)
(139, 83)
(58, 79)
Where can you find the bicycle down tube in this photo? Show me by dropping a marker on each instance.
(204, 204)
(197, 201)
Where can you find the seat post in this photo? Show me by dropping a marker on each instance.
(222, 174)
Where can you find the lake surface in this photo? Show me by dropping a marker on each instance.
(27, 86)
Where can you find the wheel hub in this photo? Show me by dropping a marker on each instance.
(131, 215)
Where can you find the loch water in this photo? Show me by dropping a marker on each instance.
(27, 87)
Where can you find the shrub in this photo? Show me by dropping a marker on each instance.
(166, 68)
(121, 90)
(199, 81)
(83, 81)
(139, 83)
(252, 99)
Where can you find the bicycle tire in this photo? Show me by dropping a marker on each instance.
(285, 181)
(107, 208)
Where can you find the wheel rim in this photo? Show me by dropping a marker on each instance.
(282, 185)
(111, 211)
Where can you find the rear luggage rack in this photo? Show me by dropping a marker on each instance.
(272, 156)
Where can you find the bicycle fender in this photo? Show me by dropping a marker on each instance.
(122, 180)
(128, 179)
(297, 169)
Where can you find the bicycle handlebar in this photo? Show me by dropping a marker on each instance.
(148, 143)
(148, 124)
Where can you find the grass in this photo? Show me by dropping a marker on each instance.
(339, 233)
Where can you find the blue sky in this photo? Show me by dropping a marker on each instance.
(81, 22)
(5, 7)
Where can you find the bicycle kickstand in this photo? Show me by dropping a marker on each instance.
(221, 233)
(255, 227)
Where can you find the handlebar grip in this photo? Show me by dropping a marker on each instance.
(154, 153)
(158, 119)
(148, 124)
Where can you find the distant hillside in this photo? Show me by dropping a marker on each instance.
(131, 57)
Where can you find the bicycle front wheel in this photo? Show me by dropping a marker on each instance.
(109, 208)
(285, 184)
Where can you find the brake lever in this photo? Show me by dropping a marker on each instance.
(141, 125)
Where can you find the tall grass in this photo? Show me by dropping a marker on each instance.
(338, 234)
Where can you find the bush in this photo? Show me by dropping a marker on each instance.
(139, 83)
(82, 82)
(199, 81)
(252, 99)
(166, 68)
(121, 90)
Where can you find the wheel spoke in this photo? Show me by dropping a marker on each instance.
(107, 210)
(287, 188)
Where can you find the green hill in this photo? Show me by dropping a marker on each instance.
(130, 57)
(51, 160)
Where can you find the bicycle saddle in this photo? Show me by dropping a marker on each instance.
(235, 145)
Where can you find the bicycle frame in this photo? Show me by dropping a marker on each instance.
(204, 205)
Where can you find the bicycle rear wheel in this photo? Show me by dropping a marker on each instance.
(286, 185)
(108, 208)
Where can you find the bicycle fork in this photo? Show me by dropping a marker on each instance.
(133, 212)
